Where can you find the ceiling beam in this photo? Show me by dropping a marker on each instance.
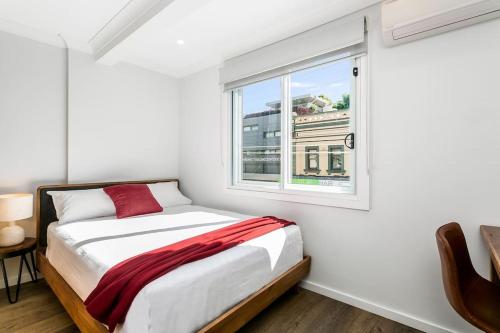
(109, 44)
(130, 18)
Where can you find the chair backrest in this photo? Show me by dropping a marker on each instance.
(456, 266)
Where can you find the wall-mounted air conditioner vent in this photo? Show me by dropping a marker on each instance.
(406, 20)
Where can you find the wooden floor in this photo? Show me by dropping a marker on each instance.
(39, 311)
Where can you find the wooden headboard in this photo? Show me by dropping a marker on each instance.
(46, 213)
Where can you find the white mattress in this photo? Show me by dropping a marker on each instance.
(189, 297)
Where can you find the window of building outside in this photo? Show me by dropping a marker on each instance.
(312, 159)
(301, 130)
(336, 159)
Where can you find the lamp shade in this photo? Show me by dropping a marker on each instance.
(15, 207)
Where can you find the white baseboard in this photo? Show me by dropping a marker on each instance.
(377, 309)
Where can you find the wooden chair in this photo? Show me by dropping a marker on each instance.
(474, 298)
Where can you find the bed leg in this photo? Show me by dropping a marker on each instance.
(295, 290)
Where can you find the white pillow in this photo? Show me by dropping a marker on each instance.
(168, 194)
(81, 204)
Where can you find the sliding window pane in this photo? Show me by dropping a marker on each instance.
(321, 123)
(260, 118)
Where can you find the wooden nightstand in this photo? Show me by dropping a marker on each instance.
(28, 246)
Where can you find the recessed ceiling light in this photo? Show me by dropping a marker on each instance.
(180, 42)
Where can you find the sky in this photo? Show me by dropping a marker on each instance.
(332, 80)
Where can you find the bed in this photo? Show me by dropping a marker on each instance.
(220, 293)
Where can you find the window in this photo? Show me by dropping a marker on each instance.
(260, 113)
(321, 116)
(312, 159)
(272, 134)
(336, 159)
(250, 128)
(307, 123)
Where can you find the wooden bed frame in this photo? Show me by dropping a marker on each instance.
(230, 321)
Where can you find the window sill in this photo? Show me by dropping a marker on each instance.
(337, 172)
(315, 171)
(340, 200)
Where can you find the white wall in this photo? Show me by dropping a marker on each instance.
(434, 118)
(123, 122)
(32, 121)
(32, 116)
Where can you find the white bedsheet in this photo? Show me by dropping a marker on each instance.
(189, 297)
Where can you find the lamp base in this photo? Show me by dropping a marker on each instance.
(11, 235)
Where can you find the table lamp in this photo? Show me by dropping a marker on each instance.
(14, 207)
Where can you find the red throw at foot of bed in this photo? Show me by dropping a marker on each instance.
(111, 299)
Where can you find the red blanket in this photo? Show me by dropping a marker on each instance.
(111, 299)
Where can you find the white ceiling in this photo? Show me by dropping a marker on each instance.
(76, 20)
(213, 30)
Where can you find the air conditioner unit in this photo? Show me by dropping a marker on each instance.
(407, 20)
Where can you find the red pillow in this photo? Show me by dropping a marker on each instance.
(132, 200)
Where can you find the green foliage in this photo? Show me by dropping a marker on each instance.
(346, 99)
(344, 103)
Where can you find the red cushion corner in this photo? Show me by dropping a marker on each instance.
(132, 200)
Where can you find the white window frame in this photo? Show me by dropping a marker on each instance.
(316, 195)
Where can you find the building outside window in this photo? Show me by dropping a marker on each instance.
(324, 130)
(260, 147)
